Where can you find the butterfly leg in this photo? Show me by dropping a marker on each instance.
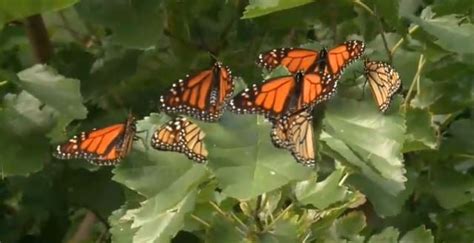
(143, 140)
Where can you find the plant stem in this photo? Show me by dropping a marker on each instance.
(223, 214)
(364, 6)
(38, 37)
(202, 221)
(416, 79)
(279, 216)
(83, 232)
(410, 31)
(256, 212)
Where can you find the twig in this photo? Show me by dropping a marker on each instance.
(364, 6)
(279, 216)
(416, 79)
(168, 33)
(410, 31)
(83, 232)
(76, 35)
(202, 221)
(256, 212)
(219, 210)
(39, 38)
(382, 34)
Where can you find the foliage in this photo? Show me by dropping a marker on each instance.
(403, 176)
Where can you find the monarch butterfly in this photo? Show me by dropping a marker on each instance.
(331, 61)
(295, 133)
(181, 135)
(202, 96)
(279, 96)
(384, 82)
(105, 146)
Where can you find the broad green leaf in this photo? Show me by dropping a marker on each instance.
(23, 148)
(135, 24)
(385, 203)
(418, 235)
(350, 225)
(222, 230)
(18, 9)
(168, 180)
(61, 93)
(321, 194)
(451, 188)
(449, 33)
(283, 231)
(420, 133)
(245, 161)
(258, 8)
(370, 141)
(120, 228)
(443, 7)
(459, 141)
(388, 235)
(159, 222)
(409, 7)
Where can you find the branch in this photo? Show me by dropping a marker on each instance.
(83, 232)
(39, 38)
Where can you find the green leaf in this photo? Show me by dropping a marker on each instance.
(459, 141)
(350, 225)
(23, 147)
(159, 223)
(245, 161)
(120, 227)
(321, 194)
(450, 34)
(258, 8)
(370, 142)
(385, 204)
(141, 28)
(418, 235)
(283, 231)
(18, 9)
(451, 188)
(421, 133)
(61, 93)
(388, 235)
(222, 230)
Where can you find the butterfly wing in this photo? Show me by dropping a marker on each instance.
(294, 59)
(202, 96)
(338, 58)
(283, 95)
(295, 133)
(270, 98)
(384, 82)
(181, 135)
(105, 146)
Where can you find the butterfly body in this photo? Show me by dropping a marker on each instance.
(105, 146)
(202, 96)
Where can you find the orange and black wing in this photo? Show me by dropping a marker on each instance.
(181, 135)
(332, 61)
(338, 58)
(384, 82)
(202, 96)
(277, 97)
(294, 59)
(105, 146)
(295, 133)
